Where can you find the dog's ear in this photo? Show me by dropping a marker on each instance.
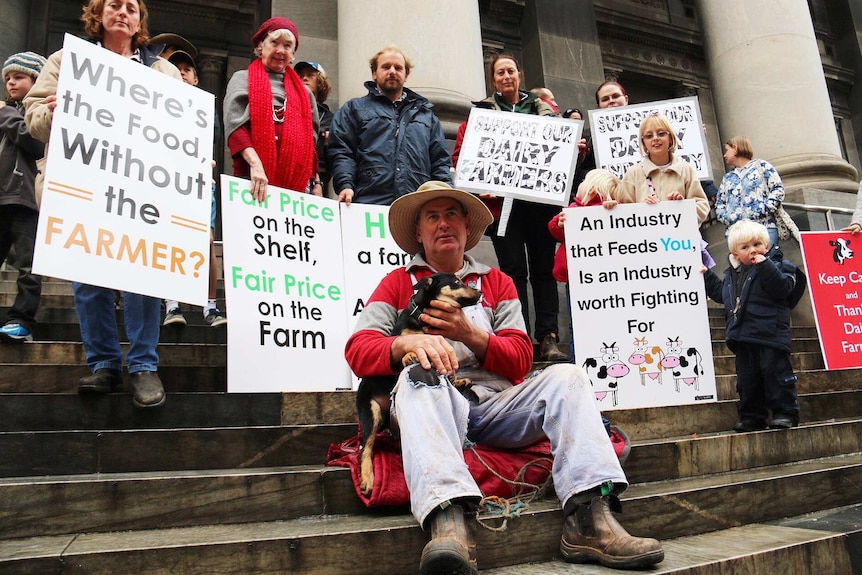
(424, 283)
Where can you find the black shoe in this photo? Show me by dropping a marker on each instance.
(548, 350)
(744, 425)
(148, 390)
(101, 381)
(782, 422)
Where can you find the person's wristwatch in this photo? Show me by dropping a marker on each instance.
(316, 183)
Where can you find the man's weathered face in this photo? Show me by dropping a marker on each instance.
(442, 227)
(391, 72)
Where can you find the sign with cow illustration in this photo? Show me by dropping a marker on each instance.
(835, 284)
(638, 304)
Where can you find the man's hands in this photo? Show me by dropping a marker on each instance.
(443, 321)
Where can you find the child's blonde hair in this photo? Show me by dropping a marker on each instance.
(745, 231)
(606, 185)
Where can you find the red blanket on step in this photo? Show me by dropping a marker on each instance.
(390, 487)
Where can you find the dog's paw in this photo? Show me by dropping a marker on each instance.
(462, 383)
(409, 359)
(366, 484)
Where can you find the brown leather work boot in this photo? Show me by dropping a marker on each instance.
(452, 549)
(591, 533)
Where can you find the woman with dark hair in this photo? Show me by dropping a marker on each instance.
(121, 27)
(752, 190)
(611, 94)
(270, 116)
(527, 249)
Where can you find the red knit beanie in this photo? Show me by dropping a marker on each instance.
(271, 25)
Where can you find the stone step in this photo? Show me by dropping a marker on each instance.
(814, 544)
(72, 353)
(196, 331)
(215, 355)
(45, 505)
(104, 442)
(717, 331)
(63, 379)
(797, 345)
(359, 544)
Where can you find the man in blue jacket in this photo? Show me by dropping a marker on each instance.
(389, 142)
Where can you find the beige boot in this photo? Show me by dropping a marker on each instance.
(591, 533)
(452, 549)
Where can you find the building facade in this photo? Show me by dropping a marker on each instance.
(780, 71)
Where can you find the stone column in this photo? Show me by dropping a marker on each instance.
(442, 38)
(562, 52)
(768, 82)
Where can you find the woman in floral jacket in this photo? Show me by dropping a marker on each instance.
(751, 191)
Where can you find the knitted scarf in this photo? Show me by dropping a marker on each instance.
(293, 162)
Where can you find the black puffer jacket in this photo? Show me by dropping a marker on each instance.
(759, 311)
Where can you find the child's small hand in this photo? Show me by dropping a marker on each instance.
(758, 258)
(561, 220)
(610, 204)
(703, 269)
(652, 199)
(674, 196)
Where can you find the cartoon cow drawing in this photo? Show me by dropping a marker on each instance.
(648, 360)
(842, 250)
(605, 377)
(684, 367)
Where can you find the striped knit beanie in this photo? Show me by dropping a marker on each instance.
(27, 62)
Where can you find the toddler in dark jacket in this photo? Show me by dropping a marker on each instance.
(759, 290)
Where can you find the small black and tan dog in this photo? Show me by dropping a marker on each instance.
(375, 391)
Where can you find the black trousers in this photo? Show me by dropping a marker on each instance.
(526, 253)
(765, 381)
(18, 229)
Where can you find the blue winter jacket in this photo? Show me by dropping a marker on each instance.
(759, 311)
(382, 151)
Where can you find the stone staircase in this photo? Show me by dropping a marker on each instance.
(235, 484)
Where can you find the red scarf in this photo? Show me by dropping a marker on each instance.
(294, 162)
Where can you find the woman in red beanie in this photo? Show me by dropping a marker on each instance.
(271, 117)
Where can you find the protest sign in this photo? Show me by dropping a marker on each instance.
(834, 279)
(616, 144)
(284, 282)
(126, 203)
(519, 156)
(638, 304)
(369, 253)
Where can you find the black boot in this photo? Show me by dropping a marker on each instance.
(101, 381)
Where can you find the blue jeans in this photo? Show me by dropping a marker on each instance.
(98, 318)
(773, 236)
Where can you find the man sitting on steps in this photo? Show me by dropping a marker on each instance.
(487, 343)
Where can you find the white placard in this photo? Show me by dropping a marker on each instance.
(369, 254)
(284, 282)
(519, 156)
(126, 203)
(614, 133)
(639, 309)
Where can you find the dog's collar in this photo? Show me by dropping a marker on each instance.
(413, 310)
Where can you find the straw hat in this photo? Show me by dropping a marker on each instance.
(404, 213)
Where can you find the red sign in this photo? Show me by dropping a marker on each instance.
(834, 264)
